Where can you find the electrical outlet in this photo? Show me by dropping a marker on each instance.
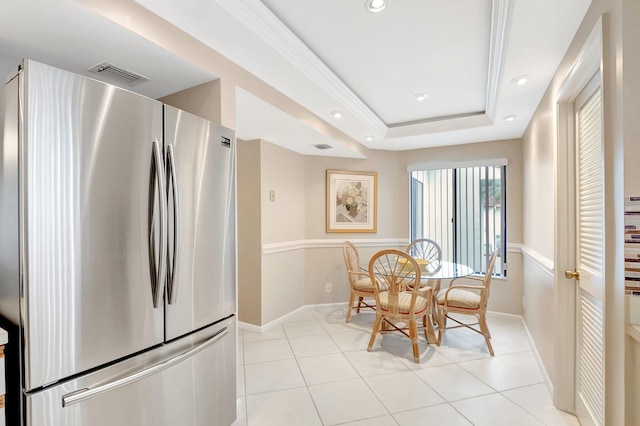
(272, 196)
(327, 287)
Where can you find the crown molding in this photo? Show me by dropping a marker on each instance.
(259, 19)
(500, 23)
(437, 125)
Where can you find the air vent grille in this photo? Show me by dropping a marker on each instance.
(323, 146)
(118, 74)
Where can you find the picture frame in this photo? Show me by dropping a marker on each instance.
(352, 201)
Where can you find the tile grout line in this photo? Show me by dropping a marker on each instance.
(360, 376)
(324, 321)
(307, 386)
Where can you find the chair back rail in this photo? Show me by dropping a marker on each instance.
(360, 286)
(467, 300)
(399, 306)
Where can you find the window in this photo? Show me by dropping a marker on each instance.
(463, 210)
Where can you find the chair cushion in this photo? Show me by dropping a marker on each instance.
(404, 300)
(460, 298)
(364, 284)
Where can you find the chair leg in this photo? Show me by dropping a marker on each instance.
(413, 333)
(429, 333)
(434, 301)
(351, 300)
(384, 325)
(374, 332)
(442, 317)
(424, 326)
(359, 304)
(485, 331)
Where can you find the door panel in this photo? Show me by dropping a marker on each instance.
(203, 281)
(177, 387)
(86, 150)
(590, 255)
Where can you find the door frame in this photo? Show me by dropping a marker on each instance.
(588, 62)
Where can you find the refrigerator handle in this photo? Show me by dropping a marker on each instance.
(88, 393)
(159, 268)
(172, 275)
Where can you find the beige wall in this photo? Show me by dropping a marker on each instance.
(297, 275)
(325, 264)
(620, 120)
(283, 172)
(392, 194)
(249, 229)
(202, 100)
(538, 231)
(319, 254)
(283, 219)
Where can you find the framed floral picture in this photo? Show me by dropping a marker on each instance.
(352, 201)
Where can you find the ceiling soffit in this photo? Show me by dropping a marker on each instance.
(259, 19)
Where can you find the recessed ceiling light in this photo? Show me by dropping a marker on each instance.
(375, 6)
(509, 117)
(520, 80)
(336, 114)
(420, 97)
(368, 138)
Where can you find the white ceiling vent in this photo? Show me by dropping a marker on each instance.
(118, 74)
(323, 146)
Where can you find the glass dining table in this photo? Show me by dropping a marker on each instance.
(431, 276)
(442, 270)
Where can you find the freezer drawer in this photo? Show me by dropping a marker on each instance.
(188, 382)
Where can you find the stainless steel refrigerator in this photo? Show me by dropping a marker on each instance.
(117, 256)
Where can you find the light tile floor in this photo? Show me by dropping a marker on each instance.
(314, 369)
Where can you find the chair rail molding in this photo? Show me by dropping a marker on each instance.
(283, 246)
(270, 248)
(543, 262)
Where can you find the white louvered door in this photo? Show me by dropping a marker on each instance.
(590, 255)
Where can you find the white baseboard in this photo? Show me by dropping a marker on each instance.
(282, 319)
(504, 314)
(536, 354)
(541, 366)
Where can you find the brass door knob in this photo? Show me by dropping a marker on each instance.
(572, 274)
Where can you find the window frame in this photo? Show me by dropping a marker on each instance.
(454, 190)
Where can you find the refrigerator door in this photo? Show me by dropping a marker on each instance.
(201, 280)
(190, 381)
(90, 212)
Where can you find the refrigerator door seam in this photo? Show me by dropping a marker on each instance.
(88, 393)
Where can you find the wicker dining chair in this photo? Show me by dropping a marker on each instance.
(467, 300)
(399, 307)
(359, 282)
(429, 251)
(426, 249)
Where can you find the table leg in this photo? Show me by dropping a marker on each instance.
(427, 320)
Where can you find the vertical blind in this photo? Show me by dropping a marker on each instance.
(463, 210)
